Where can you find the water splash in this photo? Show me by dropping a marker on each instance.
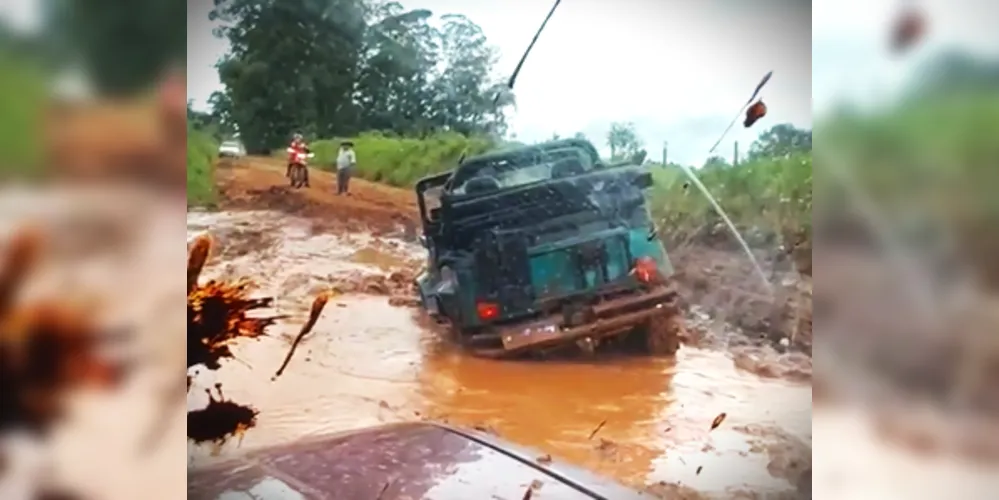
(728, 222)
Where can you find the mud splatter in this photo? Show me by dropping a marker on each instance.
(218, 312)
(217, 315)
(317, 309)
(220, 421)
(48, 349)
(718, 420)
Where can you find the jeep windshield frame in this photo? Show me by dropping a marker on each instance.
(523, 166)
(429, 191)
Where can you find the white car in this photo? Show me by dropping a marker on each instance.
(232, 149)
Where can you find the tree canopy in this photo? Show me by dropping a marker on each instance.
(329, 68)
(124, 46)
(623, 141)
(780, 141)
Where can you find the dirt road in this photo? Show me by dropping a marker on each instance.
(260, 184)
(372, 359)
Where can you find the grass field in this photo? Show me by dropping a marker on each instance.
(22, 94)
(201, 152)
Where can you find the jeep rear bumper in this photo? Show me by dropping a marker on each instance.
(605, 319)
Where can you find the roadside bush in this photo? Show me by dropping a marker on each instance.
(770, 198)
(201, 149)
(929, 162)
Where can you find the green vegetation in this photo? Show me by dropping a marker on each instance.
(769, 193)
(123, 46)
(928, 167)
(944, 145)
(21, 97)
(201, 151)
(769, 196)
(344, 67)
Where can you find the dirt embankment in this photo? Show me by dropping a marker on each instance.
(260, 184)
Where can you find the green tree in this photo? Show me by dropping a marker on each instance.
(466, 90)
(124, 46)
(954, 72)
(397, 69)
(623, 141)
(339, 67)
(714, 162)
(293, 66)
(781, 141)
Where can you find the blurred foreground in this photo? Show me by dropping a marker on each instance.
(91, 328)
(907, 357)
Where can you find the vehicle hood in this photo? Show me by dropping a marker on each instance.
(403, 461)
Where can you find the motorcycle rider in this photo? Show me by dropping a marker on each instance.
(298, 145)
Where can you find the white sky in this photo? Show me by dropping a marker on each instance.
(24, 15)
(851, 62)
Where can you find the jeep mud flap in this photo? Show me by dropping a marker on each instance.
(609, 318)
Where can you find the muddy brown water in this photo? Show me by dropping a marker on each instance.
(368, 362)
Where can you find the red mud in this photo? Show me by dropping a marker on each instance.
(260, 184)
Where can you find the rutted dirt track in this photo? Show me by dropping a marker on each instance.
(260, 184)
(371, 357)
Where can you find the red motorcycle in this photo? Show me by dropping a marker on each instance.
(299, 168)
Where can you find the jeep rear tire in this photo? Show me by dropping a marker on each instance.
(662, 334)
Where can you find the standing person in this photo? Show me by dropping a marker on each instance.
(346, 160)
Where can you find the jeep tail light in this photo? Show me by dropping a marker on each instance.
(645, 269)
(487, 310)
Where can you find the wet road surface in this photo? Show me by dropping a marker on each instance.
(640, 420)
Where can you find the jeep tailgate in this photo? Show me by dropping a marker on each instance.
(579, 264)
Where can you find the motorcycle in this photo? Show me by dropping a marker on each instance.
(299, 174)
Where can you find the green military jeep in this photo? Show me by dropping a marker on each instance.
(546, 247)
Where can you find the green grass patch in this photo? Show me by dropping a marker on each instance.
(772, 196)
(22, 96)
(399, 161)
(201, 151)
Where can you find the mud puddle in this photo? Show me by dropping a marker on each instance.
(642, 421)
